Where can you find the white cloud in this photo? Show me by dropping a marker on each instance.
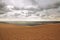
(31, 3)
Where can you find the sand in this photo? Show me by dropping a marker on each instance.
(37, 32)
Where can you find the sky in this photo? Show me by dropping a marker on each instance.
(32, 3)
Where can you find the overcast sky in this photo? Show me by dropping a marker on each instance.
(31, 3)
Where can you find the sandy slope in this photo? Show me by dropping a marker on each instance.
(39, 32)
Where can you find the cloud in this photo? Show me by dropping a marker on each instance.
(32, 3)
(47, 3)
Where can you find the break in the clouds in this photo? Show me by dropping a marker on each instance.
(32, 3)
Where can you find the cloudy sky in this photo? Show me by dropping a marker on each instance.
(32, 3)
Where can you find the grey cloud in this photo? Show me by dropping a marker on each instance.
(32, 3)
(47, 3)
